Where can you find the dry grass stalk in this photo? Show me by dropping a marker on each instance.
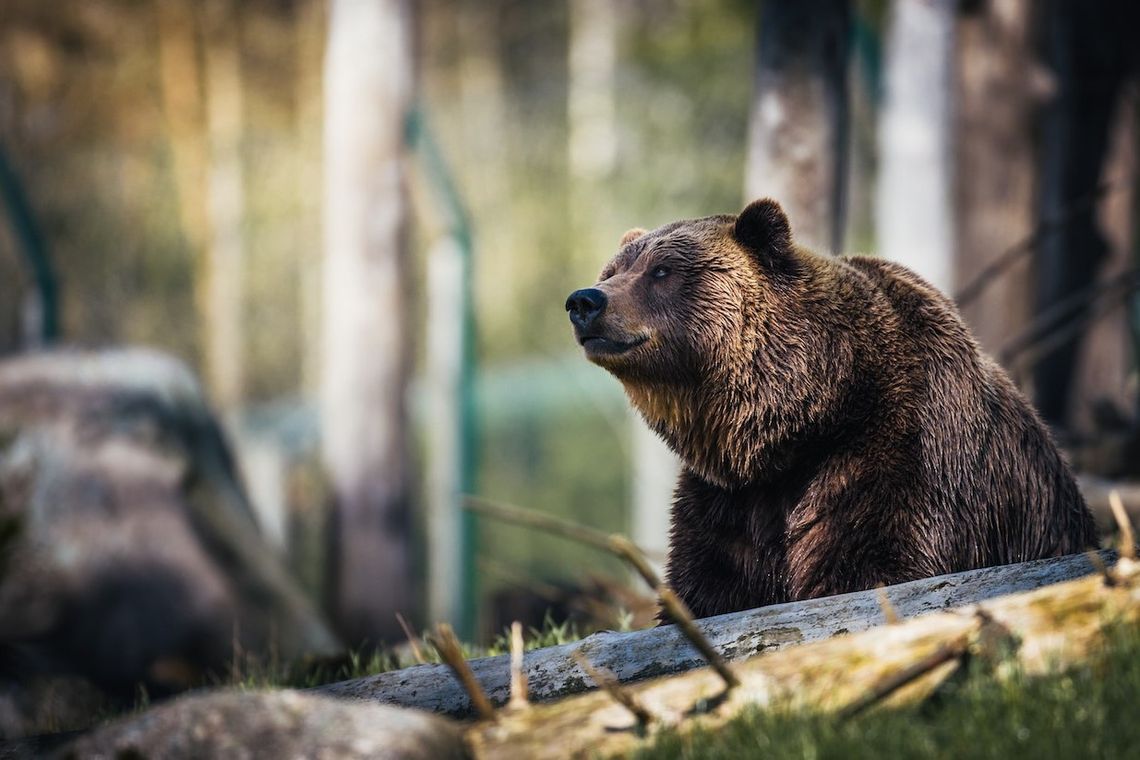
(632, 554)
(451, 653)
(413, 640)
(606, 680)
(1127, 537)
(546, 523)
(684, 619)
(519, 697)
(890, 614)
(615, 544)
(1102, 569)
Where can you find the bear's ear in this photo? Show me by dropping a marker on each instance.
(763, 229)
(630, 236)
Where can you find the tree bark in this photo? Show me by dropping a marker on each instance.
(798, 133)
(368, 89)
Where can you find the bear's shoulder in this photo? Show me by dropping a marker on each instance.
(907, 292)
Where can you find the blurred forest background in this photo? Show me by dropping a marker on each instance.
(187, 176)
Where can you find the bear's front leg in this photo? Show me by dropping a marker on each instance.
(725, 548)
(872, 532)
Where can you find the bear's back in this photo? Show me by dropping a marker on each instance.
(985, 453)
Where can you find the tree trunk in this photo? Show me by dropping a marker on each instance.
(998, 88)
(915, 225)
(182, 107)
(591, 107)
(1090, 49)
(798, 134)
(310, 20)
(223, 271)
(1102, 403)
(368, 89)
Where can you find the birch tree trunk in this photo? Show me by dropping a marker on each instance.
(798, 135)
(591, 99)
(915, 221)
(368, 89)
(223, 272)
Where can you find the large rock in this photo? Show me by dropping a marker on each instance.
(128, 552)
(284, 724)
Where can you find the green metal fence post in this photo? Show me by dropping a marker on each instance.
(443, 184)
(32, 247)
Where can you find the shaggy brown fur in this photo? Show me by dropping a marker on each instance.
(838, 424)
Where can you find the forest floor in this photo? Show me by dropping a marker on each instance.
(1086, 712)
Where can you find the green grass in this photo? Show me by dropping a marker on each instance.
(1090, 711)
(251, 672)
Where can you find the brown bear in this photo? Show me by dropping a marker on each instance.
(838, 424)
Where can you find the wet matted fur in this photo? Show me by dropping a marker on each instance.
(838, 424)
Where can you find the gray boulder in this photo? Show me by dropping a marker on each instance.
(283, 724)
(129, 555)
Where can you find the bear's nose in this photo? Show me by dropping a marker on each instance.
(585, 306)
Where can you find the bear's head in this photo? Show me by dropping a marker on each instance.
(704, 323)
(674, 303)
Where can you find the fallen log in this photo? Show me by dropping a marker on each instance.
(553, 672)
(1039, 631)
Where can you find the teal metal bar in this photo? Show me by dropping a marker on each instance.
(32, 247)
(419, 136)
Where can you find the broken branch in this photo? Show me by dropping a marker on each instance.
(606, 680)
(451, 653)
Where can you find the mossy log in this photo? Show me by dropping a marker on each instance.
(553, 672)
(1050, 627)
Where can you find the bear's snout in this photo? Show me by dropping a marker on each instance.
(585, 306)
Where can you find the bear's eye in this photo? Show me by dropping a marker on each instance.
(659, 272)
